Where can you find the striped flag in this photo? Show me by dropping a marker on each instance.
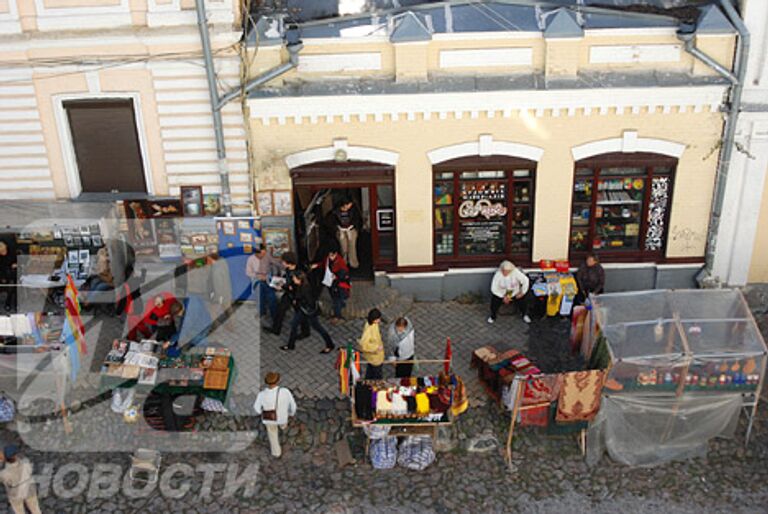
(74, 320)
(68, 337)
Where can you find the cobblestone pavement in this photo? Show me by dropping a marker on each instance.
(550, 473)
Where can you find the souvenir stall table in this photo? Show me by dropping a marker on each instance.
(146, 369)
(558, 403)
(48, 253)
(393, 408)
(34, 363)
(554, 287)
(682, 366)
(42, 280)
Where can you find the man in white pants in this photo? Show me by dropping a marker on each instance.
(275, 405)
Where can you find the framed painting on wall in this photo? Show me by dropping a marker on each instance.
(282, 203)
(279, 239)
(192, 200)
(212, 204)
(264, 203)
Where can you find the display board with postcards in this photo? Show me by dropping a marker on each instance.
(198, 237)
(195, 245)
(72, 247)
(151, 226)
(274, 203)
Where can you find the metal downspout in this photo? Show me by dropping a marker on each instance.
(210, 73)
(729, 133)
(260, 80)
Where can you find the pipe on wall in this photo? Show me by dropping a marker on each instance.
(210, 73)
(293, 46)
(705, 278)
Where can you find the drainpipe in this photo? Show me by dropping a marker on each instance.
(210, 73)
(293, 46)
(704, 277)
(293, 53)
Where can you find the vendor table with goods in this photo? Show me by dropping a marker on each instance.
(409, 407)
(556, 403)
(31, 347)
(145, 367)
(691, 360)
(555, 286)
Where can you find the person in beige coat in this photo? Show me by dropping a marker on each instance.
(19, 482)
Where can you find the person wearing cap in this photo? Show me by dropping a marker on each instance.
(19, 482)
(275, 405)
(509, 285)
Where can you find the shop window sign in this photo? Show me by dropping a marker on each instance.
(482, 212)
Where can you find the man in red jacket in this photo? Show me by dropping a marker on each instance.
(158, 316)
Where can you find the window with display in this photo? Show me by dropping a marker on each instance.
(483, 208)
(620, 205)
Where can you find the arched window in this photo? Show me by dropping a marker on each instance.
(483, 209)
(620, 206)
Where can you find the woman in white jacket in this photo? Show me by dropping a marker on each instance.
(401, 339)
(509, 284)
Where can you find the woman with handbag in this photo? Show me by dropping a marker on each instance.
(336, 279)
(306, 310)
(275, 405)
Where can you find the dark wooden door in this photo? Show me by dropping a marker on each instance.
(106, 146)
(376, 182)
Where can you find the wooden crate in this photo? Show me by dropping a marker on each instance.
(216, 379)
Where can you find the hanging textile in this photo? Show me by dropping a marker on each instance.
(535, 416)
(600, 357)
(580, 395)
(348, 368)
(74, 319)
(577, 327)
(363, 402)
(542, 389)
(68, 338)
(460, 401)
(343, 371)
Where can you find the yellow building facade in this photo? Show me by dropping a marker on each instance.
(585, 111)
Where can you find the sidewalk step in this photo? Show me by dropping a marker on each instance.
(398, 308)
(365, 296)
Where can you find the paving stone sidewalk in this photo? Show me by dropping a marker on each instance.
(550, 473)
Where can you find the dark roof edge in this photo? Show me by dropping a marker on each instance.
(522, 3)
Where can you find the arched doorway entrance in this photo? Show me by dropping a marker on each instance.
(321, 187)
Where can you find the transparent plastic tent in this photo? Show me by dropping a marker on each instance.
(684, 364)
